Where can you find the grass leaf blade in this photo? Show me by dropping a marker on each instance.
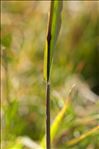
(54, 25)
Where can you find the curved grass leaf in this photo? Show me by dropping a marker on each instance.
(56, 123)
(83, 136)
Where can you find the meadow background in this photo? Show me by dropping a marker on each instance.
(76, 61)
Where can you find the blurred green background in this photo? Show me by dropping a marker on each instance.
(76, 58)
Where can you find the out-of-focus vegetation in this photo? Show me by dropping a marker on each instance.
(75, 66)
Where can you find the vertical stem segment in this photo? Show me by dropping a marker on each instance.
(48, 115)
(48, 80)
(48, 86)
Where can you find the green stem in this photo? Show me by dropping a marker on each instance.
(48, 115)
